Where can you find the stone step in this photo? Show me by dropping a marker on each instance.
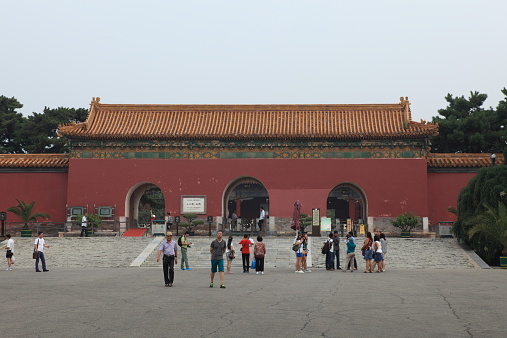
(410, 253)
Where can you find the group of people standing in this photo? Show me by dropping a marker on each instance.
(374, 252)
(259, 249)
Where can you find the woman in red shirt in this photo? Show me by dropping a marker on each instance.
(245, 253)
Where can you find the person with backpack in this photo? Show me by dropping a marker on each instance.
(184, 244)
(336, 247)
(351, 254)
(329, 251)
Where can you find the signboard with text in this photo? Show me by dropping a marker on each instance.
(325, 224)
(193, 204)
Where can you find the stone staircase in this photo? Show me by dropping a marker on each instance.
(411, 253)
(403, 253)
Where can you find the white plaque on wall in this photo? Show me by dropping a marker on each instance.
(193, 204)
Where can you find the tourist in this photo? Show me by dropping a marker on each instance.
(383, 244)
(245, 252)
(234, 220)
(336, 247)
(262, 216)
(217, 249)
(353, 240)
(9, 251)
(377, 248)
(259, 250)
(168, 221)
(169, 249)
(230, 254)
(298, 243)
(330, 253)
(38, 247)
(351, 254)
(184, 247)
(368, 252)
(84, 225)
(304, 266)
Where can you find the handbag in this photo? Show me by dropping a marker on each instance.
(253, 265)
(231, 255)
(34, 255)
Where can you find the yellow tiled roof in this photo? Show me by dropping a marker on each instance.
(436, 160)
(248, 122)
(34, 161)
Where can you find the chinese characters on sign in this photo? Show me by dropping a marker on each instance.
(193, 204)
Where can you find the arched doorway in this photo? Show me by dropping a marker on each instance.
(142, 199)
(347, 201)
(244, 197)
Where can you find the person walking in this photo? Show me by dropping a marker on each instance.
(259, 253)
(9, 251)
(230, 257)
(351, 254)
(368, 252)
(38, 247)
(184, 247)
(245, 253)
(330, 253)
(217, 249)
(84, 226)
(336, 251)
(169, 249)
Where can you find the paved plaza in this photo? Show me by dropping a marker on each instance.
(133, 302)
(78, 299)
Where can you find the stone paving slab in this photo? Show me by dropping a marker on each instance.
(132, 302)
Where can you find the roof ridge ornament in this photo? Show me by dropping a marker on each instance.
(403, 101)
(95, 101)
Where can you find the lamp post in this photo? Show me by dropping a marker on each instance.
(493, 159)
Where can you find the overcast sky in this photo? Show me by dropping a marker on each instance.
(62, 53)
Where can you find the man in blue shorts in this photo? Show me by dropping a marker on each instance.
(217, 250)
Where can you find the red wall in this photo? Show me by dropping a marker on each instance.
(443, 191)
(391, 186)
(48, 190)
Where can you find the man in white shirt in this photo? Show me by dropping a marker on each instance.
(38, 247)
(84, 225)
(10, 251)
(262, 216)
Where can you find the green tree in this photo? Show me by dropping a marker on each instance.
(465, 126)
(192, 221)
(24, 211)
(38, 132)
(10, 122)
(492, 223)
(304, 221)
(406, 221)
(486, 188)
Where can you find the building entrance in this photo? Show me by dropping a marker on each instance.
(244, 198)
(346, 201)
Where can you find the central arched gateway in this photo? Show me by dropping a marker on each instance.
(347, 200)
(244, 197)
(138, 212)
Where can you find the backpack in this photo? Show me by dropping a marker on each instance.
(326, 247)
(179, 241)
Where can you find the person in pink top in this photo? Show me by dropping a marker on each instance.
(259, 252)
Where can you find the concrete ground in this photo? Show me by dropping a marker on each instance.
(133, 302)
